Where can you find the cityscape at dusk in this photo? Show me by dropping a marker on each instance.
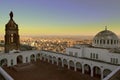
(61, 17)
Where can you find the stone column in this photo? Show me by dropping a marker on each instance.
(83, 69)
(101, 74)
(52, 61)
(91, 71)
(62, 63)
(68, 65)
(75, 67)
(57, 62)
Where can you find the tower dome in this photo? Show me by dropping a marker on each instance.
(11, 24)
(106, 39)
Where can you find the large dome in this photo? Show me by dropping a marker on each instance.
(106, 39)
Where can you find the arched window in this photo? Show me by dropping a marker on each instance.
(107, 41)
(100, 41)
(111, 41)
(103, 41)
(97, 41)
(114, 41)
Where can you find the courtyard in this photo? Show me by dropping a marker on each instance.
(45, 71)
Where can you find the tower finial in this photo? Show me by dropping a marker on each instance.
(105, 27)
(11, 15)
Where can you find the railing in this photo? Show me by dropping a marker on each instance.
(5, 74)
(112, 73)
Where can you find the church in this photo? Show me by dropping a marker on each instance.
(101, 58)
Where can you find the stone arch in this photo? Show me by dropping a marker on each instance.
(38, 57)
(106, 72)
(96, 71)
(3, 62)
(59, 61)
(65, 63)
(54, 60)
(78, 66)
(32, 57)
(19, 59)
(71, 64)
(87, 69)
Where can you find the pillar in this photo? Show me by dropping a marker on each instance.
(52, 61)
(91, 71)
(75, 67)
(57, 62)
(62, 63)
(68, 65)
(83, 69)
(101, 74)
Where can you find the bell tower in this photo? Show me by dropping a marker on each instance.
(11, 35)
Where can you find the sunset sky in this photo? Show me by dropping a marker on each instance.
(61, 17)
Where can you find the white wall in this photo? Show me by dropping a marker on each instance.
(103, 54)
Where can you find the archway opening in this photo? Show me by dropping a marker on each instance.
(38, 57)
(59, 61)
(71, 64)
(79, 67)
(106, 72)
(19, 59)
(87, 69)
(32, 58)
(55, 60)
(65, 63)
(45, 58)
(96, 72)
(3, 62)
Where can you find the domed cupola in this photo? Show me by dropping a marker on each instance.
(106, 39)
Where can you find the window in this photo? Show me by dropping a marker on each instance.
(90, 55)
(114, 41)
(93, 55)
(76, 54)
(11, 37)
(97, 41)
(114, 60)
(96, 56)
(100, 41)
(111, 41)
(107, 41)
(103, 41)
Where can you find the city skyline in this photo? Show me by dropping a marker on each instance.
(61, 17)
